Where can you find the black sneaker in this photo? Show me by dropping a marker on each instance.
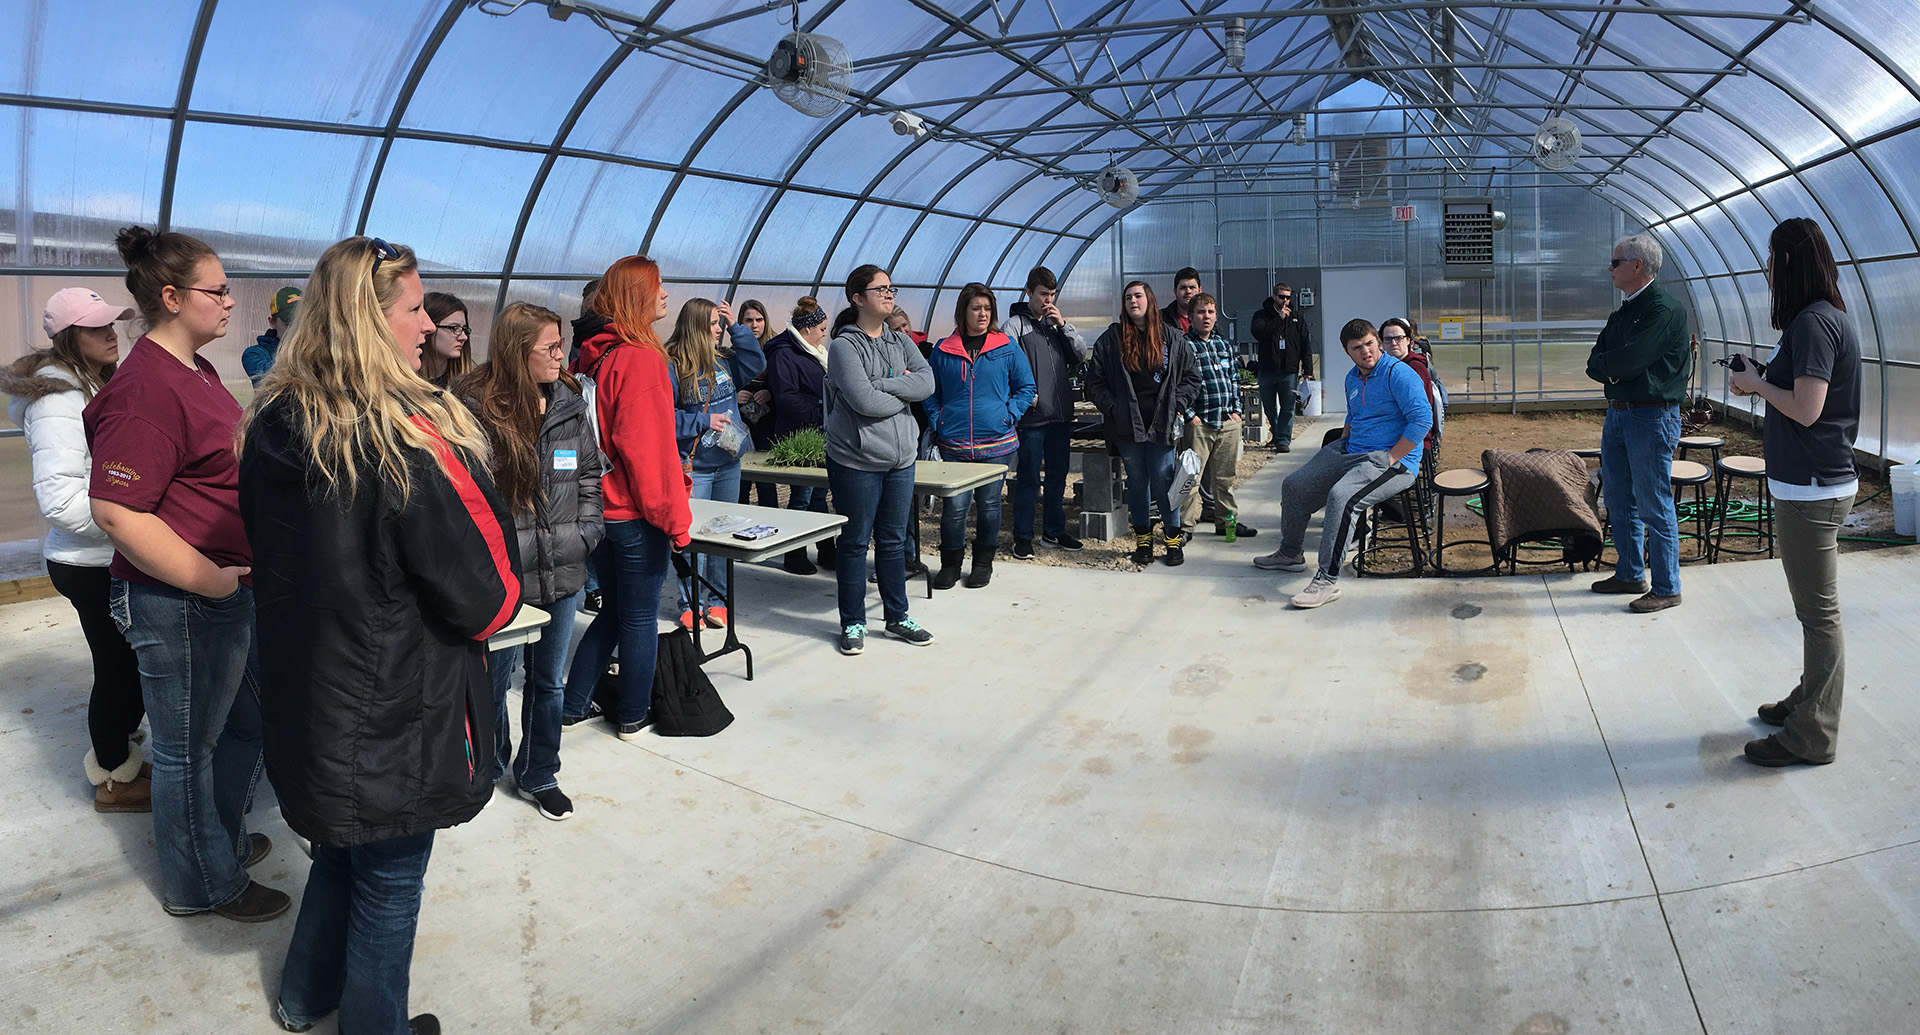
(425, 1024)
(1062, 541)
(853, 639)
(569, 722)
(592, 602)
(910, 631)
(553, 804)
(631, 730)
(1023, 549)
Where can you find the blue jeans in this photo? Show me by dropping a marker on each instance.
(720, 484)
(1149, 467)
(807, 497)
(352, 948)
(633, 564)
(986, 522)
(1045, 454)
(1636, 471)
(1278, 393)
(200, 676)
(877, 505)
(538, 766)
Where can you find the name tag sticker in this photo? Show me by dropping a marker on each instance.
(566, 460)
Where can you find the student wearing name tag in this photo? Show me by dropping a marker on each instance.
(546, 464)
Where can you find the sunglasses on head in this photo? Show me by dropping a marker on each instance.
(383, 252)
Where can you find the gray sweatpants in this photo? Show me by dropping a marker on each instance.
(1346, 484)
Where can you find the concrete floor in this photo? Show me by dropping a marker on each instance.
(1113, 802)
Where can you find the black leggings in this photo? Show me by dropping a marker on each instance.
(115, 709)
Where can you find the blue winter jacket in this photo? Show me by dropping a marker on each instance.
(976, 403)
(692, 407)
(1386, 406)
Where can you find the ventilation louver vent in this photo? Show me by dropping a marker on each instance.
(1466, 238)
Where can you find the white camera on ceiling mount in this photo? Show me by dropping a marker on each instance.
(907, 124)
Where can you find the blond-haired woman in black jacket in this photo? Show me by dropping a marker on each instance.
(383, 559)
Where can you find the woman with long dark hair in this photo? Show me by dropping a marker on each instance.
(546, 464)
(384, 560)
(1143, 376)
(756, 400)
(797, 375)
(981, 386)
(166, 490)
(708, 427)
(873, 375)
(1811, 385)
(644, 495)
(449, 349)
(50, 388)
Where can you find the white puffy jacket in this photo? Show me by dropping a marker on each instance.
(50, 416)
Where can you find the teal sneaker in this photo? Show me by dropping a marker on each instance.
(910, 631)
(853, 639)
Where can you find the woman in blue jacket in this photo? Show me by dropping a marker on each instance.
(981, 386)
(707, 380)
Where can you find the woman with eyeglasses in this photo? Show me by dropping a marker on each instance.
(384, 560)
(874, 375)
(1396, 340)
(50, 388)
(644, 494)
(166, 490)
(546, 465)
(448, 352)
(707, 373)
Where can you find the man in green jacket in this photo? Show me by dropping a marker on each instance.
(1644, 359)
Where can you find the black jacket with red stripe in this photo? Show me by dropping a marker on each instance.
(372, 617)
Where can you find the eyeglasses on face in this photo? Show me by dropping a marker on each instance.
(555, 350)
(885, 289)
(1615, 263)
(383, 252)
(219, 292)
(1391, 338)
(456, 328)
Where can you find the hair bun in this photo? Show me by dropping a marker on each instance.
(133, 242)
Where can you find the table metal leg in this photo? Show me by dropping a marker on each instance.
(732, 643)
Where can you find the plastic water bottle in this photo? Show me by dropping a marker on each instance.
(1230, 524)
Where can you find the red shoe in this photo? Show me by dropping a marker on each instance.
(686, 620)
(716, 618)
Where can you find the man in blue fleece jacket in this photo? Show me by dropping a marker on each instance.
(1387, 418)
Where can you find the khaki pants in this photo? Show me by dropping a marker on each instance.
(1810, 552)
(1219, 452)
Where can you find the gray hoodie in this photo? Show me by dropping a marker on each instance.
(870, 382)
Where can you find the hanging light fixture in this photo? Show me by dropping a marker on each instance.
(1300, 128)
(1236, 45)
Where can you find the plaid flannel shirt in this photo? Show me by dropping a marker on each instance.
(1219, 380)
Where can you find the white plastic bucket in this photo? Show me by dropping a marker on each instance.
(1314, 398)
(1904, 481)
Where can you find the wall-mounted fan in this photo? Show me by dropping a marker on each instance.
(810, 72)
(1556, 144)
(1118, 186)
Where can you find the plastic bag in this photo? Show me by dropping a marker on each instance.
(1186, 475)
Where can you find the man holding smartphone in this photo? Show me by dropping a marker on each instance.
(1054, 351)
(1284, 357)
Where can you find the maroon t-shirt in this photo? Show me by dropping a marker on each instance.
(162, 441)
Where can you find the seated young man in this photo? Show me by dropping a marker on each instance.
(1387, 418)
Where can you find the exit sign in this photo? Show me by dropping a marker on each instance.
(1402, 213)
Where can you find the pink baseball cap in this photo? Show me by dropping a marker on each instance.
(78, 307)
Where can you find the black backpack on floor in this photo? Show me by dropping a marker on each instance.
(685, 704)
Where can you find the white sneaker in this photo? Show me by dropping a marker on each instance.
(1321, 590)
(1280, 560)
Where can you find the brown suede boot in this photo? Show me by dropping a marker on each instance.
(126, 789)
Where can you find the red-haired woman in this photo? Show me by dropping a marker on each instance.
(644, 495)
(1142, 377)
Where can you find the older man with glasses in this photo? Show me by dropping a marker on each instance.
(1285, 356)
(1644, 358)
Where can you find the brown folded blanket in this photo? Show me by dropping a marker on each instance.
(1540, 495)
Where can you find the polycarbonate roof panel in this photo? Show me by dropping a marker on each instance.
(1790, 128)
(339, 61)
(980, 256)
(445, 200)
(508, 78)
(74, 198)
(62, 48)
(589, 214)
(763, 136)
(705, 226)
(872, 236)
(1736, 158)
(652, 108)
(851, 158)
(796, 233)
(1856, 93)
(927, 251)
(270, 198)
(1887, 24)
(1898, 156)
(1856, 201)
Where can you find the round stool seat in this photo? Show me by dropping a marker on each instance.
(1461, 481)
(1701, 442)
(1587, 454)
(1690, 472)
(1744, 466)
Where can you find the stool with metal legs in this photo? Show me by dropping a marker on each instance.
(1756, 522)
(1690, 473)
(1710, 443)
(1367, 541)
(1462, 483)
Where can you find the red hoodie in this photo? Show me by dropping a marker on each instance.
(634, 400)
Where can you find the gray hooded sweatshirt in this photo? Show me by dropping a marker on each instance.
(870, 384)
